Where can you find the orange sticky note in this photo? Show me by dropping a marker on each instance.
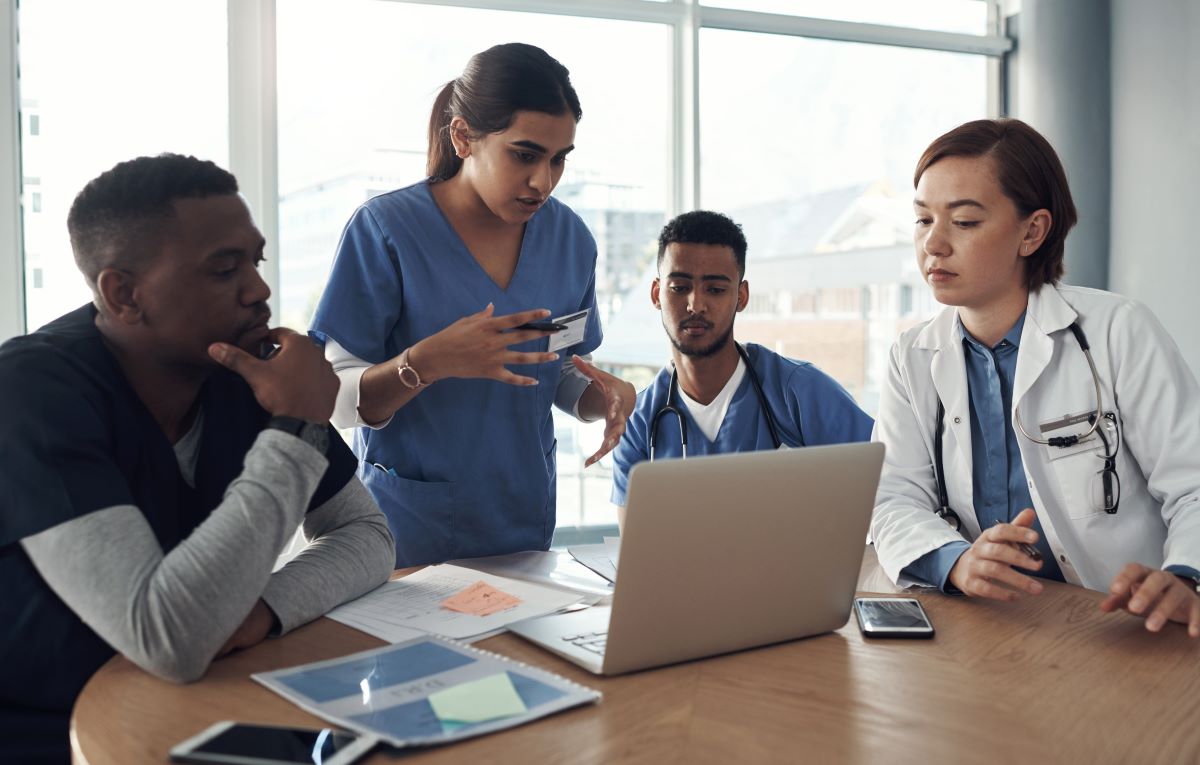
(480, 599)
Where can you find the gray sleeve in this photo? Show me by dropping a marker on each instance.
(350, 552)
(571, 385)
(170, 615)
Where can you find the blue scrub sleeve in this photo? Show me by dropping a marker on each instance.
(827, 413)
(1187, 571)
(593, 335)
(632, 448)
(934, 567)
(364, 297)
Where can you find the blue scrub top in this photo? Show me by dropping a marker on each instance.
(802, 398)
(468, 465)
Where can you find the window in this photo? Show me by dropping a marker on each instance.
(966, 16)
(809, 143)
(353, 122)
(136, 87)
(814, 157)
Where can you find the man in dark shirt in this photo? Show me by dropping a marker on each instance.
(152, 467)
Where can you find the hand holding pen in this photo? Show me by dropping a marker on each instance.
(987, 570)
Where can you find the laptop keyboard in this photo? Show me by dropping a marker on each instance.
(589, 641)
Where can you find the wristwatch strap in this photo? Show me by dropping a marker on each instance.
(313, 434)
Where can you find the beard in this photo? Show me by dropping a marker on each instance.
(707, 350)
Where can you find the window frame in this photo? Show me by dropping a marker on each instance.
(253, 112)
(253, 108)
(12, 251)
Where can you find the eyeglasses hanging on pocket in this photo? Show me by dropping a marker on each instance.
(1106, 490)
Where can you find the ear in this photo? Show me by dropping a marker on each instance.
(460, 136)
(743, 295)
(1037, 228)
(654, 288)
(115, 291)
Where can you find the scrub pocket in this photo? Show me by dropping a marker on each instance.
(419, 513)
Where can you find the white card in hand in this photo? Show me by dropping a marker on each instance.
(576, 324)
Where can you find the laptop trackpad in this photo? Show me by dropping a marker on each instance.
(579, 636)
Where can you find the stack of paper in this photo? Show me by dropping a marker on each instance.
(425, 691)
(601, 558)
(449, 600)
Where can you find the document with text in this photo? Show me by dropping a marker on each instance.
(415, 605)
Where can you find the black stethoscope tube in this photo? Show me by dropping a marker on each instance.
(671, 408)
(949, 516)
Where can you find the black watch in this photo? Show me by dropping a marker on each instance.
(316, 436)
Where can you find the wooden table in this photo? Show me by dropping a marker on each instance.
(1047, 679)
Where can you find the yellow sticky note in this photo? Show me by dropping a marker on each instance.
(487, 698)
(480, 599)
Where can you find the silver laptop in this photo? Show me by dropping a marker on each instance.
(726, 552)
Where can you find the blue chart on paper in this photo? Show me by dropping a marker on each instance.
(385, 691)
(417, 718)
(380, 671)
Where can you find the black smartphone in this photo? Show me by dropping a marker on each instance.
(241, 744)
(543, 326)
(892, 617)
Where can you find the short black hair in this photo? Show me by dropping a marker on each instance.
(704, 227)
(115, 219)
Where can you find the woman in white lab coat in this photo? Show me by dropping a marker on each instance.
(1041, 479)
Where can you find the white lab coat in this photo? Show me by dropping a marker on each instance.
(1144, 380)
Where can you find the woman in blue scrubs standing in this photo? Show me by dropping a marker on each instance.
(422, 311)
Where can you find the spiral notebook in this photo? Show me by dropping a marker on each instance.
(428, 690)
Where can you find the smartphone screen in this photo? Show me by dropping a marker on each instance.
(267, 744)
(892, 617)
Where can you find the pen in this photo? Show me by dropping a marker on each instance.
(1025, 547)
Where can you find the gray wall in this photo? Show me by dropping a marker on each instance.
(1061, 88)
(1156, 162)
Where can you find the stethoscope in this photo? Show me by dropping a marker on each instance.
(671, 408)
(949, 516)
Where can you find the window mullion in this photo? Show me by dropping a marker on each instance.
(12, 267)
(253, 123)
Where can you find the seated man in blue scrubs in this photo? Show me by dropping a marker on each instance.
(718, 396)
(148, 490)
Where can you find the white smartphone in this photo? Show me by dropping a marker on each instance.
(241, 744)
(892, 617)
